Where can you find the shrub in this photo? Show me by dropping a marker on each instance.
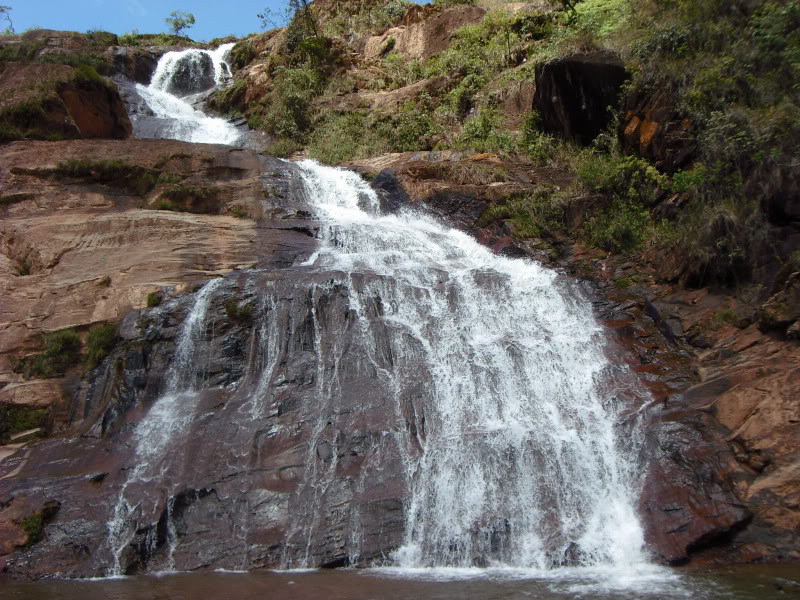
(537, 214)
(16, 419)
(283, 148)
(484, 133)
(241, 313)
(99, 344)
(62, 351)
(238, 212)
(33, 526)
(623, 227)
(346, 137)
(154, 299)
(242, 54)
(117, 173)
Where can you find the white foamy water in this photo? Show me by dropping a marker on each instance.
(179, 120)
(161, 427)
(522, 462)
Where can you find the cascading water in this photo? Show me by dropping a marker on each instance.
(178, 77)
(161, 428)
(413, 357)
(521, 462)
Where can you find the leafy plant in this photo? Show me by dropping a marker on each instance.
(179, 21)
(241, 313)
(99, 344)
(62, 351)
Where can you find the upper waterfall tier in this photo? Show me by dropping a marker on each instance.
(165, 109)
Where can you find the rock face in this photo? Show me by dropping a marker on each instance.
(193, 73)
(654, 129)
(77, 253)
(719, 475)
(423, 39)
(46, 100)
(573, 94)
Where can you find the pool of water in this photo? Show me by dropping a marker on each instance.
(739, 583)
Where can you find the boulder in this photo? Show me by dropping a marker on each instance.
(424, 38)
(193, 73)
(574, 94)
(653, 127)
(137, 64)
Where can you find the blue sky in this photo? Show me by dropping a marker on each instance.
(214, 18)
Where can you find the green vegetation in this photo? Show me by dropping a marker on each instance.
(134, 39)
(116, 173)
(62, 351)
(238, 211)
(99, 344)
(16, 419)
(179, 20)
(532, 215)
(154, 299)
(238, 312)
(242, 54)
(188, 198)
(33, 526)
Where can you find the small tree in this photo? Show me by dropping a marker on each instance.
(179, 20)
(5, 14)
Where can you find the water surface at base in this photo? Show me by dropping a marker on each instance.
(740, 583)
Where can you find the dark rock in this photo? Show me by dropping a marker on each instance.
(654, 128)
(193, 73)
(137, 64)
(573, 94)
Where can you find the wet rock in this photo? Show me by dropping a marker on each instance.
(573, 94)
(136, 64)
(193, 73)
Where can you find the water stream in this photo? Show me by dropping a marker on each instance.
(517, 460)
(179, 77)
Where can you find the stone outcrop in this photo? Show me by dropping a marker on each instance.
(58, 101)
(653, 128)
(424, 38)
(76, 253)
(573, 94)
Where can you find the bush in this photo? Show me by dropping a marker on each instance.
(62, 351)
(485, 133)
(154, 299)
(241, 313)
(346, 137)
(16, 419)
(118, 173)
(537, 214)
(283, 148)
(99, 344)
(33, 526)
(623, 227)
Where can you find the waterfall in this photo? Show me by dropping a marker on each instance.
(522, 459)
(179, 77)
(161, 429)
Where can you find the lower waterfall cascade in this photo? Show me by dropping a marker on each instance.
(502, 405)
